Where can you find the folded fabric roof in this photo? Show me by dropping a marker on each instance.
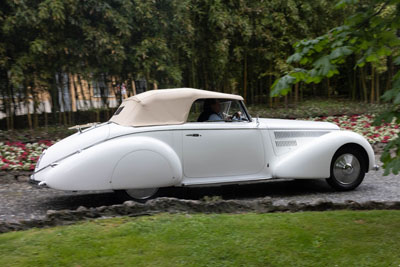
(162, 107)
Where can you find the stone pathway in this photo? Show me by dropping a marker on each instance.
(20, 200)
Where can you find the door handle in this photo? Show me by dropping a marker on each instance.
(194, 135)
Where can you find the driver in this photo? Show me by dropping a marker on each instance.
(212, 112)
(216, 114)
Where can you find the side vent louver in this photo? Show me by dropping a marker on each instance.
(285, 143)
(298, 134)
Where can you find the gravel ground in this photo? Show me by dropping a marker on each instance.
(21, 200)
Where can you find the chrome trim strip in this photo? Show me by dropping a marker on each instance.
(302, 129)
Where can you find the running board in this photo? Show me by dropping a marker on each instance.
(197, 182)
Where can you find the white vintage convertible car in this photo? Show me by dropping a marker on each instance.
(190, 137)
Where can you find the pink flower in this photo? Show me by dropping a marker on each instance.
(5, 166)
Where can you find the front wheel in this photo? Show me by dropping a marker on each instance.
(347, 169)
(138, 195)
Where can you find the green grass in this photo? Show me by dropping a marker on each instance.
(338, 238)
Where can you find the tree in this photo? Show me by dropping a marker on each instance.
(370, 34)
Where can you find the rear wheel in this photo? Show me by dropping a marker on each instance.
(138, 195)
(347, 169)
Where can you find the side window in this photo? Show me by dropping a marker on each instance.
(196, 110)
(217, 110)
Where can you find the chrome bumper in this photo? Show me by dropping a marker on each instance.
(37, 183)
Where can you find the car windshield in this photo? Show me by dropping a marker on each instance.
(217, 110)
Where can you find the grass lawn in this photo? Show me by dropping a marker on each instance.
(337, 238)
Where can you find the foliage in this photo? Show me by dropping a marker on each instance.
(369, 35)
(316, 108)
(336, 238)
(215, 45)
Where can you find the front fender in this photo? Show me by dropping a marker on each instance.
(313, 160)
(120, 163)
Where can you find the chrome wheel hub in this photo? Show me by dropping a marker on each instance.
(142, 194)
(346, 169)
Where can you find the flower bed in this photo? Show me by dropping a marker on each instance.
(362, 124)
(20, 156)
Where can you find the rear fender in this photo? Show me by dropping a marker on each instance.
(120, 163)
(149, 163)
(313, 160)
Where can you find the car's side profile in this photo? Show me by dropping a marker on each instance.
(190, 137)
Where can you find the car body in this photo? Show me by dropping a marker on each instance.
(153, 141)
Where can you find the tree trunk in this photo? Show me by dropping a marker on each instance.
(270, 84)
(286, 101)
(133, 86)
(27, 106)
(364, 85)
(35, 106)
(245, 77)
(82, 92)
(390, 73)
(301, 92)
(354, 86)
(193, 71)
(296, 94)
(378, 93)
(372, 95)
(314, 90)
(46, 119)
(329, 87)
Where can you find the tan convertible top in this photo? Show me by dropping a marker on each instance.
(162, 107)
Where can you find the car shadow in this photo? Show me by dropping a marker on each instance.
(278, 188)
(275, 189)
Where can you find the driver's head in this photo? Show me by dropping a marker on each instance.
(216, 106)
(212, 105)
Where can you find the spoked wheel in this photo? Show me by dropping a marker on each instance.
(139, 195)
(347, 169)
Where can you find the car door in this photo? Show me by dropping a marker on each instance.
(218, 149)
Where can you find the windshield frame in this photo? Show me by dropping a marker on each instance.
(250, 119)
